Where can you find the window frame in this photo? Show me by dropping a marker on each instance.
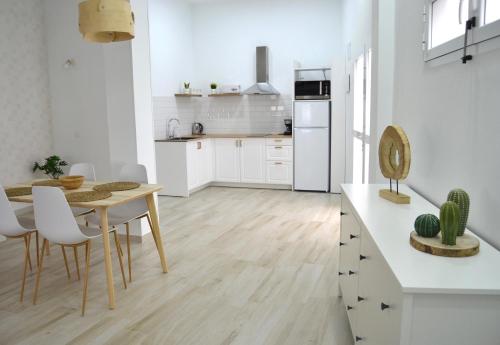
(479, 34)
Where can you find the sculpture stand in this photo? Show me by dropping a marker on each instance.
(394, 196)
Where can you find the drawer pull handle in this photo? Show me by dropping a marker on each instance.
(362, 257)
(341, 273)
(278, 163)
(341, 244)
(360, 299)
(358, 339)
(351, 272)
(342, 213)
(349, 307)
(353, 236)
(278, 147)
(384, 306)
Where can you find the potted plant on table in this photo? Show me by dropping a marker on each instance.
(52, 166)
(187, 89)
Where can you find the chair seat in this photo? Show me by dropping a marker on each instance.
(27, 222)
(113, 219)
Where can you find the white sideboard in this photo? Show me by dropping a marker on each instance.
(187, 166)
(395, 294)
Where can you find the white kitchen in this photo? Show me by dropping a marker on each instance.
(249, 172)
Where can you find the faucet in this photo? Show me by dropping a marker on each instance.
(170, 130)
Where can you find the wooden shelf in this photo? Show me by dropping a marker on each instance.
(236, 94)
(187, 95)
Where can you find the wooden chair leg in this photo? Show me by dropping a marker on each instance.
(77, 263)
(129, 257)
(86, 275)
(65, 261)
(151, 228)
(27, 239)
(117, 244)
(37, 249)
(48, 248)
(39, 271)
(27, 246)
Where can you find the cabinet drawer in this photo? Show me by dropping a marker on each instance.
(279, 153)
(279, 141)
(279, 172)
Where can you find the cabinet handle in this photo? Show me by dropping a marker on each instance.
(362, 257)
(342, 213)
(351, 272)
(341, 244)
(349, 307)
(278, 147)
(278, 140)
(199, 145)
(358, 339)
(278, 163)
(341, 273)
(353, 236)
(384, 306)
(360, 299)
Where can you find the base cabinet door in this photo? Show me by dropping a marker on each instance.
(252, 160)
(227, 160)
(192, 165)
(206, 162)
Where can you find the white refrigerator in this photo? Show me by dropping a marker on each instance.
(311, 135)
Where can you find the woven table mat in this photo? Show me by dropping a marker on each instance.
(17, 191)
(87, 196)
(48, 183)
(116, 186)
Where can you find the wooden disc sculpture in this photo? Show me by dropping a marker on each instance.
(394, 159)
(106, 21)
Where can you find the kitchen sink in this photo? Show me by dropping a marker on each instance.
(181, 138)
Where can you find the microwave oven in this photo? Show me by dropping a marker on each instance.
(313, 89)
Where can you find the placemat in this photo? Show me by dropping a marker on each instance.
(47, 183)
(87, 196)
(116, 186)
(17, 191)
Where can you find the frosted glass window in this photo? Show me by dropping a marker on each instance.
(448, 20)
(492, 11)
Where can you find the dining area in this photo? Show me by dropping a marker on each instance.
(74, 220)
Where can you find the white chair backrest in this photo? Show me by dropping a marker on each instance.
(53, 216)
(9, 225)
(134, 173)
(84, 169)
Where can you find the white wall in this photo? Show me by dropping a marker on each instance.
(25, 123)
(451, 115)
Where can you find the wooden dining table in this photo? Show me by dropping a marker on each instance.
(145, 191)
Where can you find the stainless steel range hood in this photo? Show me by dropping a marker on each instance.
(262, 87)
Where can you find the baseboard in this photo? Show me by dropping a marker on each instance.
(250, 185)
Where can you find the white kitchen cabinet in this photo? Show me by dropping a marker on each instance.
(253, 160)
(282, 153)
(227, 160)
(397, 295)
(279, 172)
(200, 163)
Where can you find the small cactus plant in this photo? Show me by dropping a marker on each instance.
(427, 225)
(449, 220)
(461, 198)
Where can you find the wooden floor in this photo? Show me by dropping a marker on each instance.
(246, 267)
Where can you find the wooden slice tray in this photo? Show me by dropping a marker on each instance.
(116, 186)
(467, 245)
(18, 191)
(87, 196)
(47, 183)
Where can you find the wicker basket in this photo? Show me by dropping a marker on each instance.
(72, 182)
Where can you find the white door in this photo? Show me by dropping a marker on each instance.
(253, 160)
(312, 114)
(227, 160)
(359, 111)
(312, 159)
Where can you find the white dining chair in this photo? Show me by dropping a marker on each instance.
(86, 170)
(13, 227)
(56, 223)
(128, 212)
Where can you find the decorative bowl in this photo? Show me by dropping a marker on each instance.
(72, 182)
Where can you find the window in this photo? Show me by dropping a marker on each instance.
(446, 24)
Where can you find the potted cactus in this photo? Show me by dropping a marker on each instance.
(461, 198)
(449, 221)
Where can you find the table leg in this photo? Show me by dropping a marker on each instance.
(156, 231)
(107, 257)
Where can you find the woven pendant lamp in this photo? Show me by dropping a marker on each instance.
(106, 21)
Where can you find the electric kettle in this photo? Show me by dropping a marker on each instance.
(197, 128)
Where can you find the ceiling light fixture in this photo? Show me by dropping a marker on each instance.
(105, 21)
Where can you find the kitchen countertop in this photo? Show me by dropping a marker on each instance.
(229, 135)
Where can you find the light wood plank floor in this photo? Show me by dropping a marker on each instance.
(246, 267)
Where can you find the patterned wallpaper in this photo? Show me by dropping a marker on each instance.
(25, 128)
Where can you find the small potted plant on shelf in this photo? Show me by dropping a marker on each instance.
(52, 166)
(213, 87)
(187, 89)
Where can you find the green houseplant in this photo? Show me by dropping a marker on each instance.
(213, 87)
(52, 166)
(187, 86)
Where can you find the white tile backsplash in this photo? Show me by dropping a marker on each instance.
(245, 114)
